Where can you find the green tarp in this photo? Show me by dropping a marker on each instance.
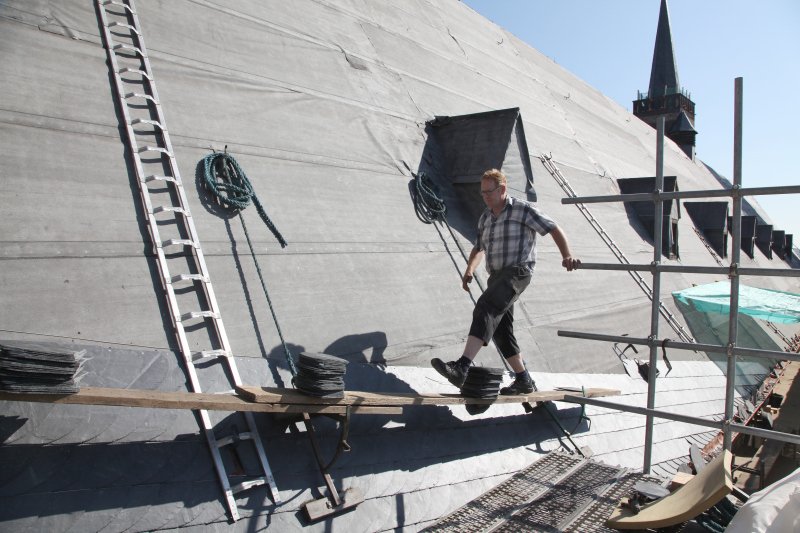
(766, 304)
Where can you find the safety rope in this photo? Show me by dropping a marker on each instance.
(228, 182)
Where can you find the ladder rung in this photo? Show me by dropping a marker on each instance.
(128, 70)
(168, 209)
(141, 95)
(230, 439)
(249, 484)
(130, 48)
(155, 149)
(206, 355)
(178, 242)
(113, 24)
(188, 277)
(199, 314)
(146, 121)
(120, 4)
(154, 177)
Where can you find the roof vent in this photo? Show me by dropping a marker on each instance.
(645, 211)
(711, 218)
(748, 234)
(472, 144)
(764, 239)
(779, 243)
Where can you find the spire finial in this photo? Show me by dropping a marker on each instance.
(664, 72)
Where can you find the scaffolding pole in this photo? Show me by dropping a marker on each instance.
(694, 420)
(734, 272)
(693, 346)
(658, 237)
(733, 320)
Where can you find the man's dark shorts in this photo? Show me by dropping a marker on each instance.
(493, 316)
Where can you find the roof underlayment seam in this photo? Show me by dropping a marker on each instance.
(410, 75)
(168, 57)
(435, 52)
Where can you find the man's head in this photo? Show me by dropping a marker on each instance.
(493, 189)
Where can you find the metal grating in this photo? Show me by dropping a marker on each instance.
(560, 492)
(553, 509)
(494, 507)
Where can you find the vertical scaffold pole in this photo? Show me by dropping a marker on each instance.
(658, 233)
(733, 320)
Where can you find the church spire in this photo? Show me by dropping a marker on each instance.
(664, 72)
(666, 97)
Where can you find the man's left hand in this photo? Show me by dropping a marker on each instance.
(571, 263)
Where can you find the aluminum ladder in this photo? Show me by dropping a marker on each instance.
(554, 171)
(182, 267)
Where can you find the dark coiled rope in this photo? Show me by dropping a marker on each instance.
(228, 182)
(234, 191)
(428, 205)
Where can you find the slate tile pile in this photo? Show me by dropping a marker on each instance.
(321, 375)
(38, 368)
(482, 382)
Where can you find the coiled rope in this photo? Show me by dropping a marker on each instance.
(235, 191)
(428, 205)
(228, 182)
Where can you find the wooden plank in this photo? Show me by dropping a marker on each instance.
(698, 495)
(359, 398)
(187, 400)
(275, 400)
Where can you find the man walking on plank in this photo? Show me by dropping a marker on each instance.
(507, 232)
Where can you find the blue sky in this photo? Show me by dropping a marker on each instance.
(609, 44)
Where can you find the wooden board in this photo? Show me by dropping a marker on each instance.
(186, 400)
(275, 400)
(355, 398)
(702, 492)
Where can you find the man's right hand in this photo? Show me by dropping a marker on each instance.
(466, 280)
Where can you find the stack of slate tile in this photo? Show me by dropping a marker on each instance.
(482, 382)
(320, 374)
(38, 368)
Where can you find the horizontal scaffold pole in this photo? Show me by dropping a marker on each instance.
(718, 424)
(676, 195)
(667, 343)
(650, 267)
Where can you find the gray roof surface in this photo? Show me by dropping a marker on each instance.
(324, 104)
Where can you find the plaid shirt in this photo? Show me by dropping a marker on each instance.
(510, 238)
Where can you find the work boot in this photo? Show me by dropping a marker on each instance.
(452, 370)
(521, 385)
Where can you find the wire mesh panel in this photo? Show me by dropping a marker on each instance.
(494, 507)
(573, 494)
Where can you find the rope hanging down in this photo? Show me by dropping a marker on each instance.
(226, 179)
